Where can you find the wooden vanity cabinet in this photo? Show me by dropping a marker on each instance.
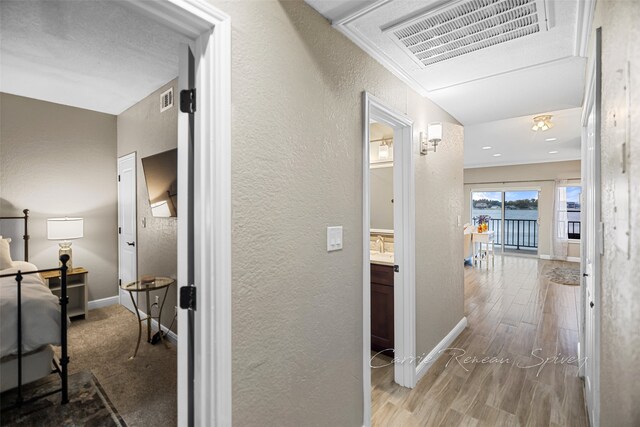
(382, 308)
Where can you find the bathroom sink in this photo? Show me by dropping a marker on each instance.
(385, 258)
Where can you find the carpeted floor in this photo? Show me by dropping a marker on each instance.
(143, 390)
(88, 404)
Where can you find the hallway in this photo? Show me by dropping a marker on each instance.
(512, 310)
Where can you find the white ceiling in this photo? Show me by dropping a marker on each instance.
(99, 55)
(518, 144)
(540, 73)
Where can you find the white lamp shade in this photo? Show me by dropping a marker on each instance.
(434, 132)
(65, 228)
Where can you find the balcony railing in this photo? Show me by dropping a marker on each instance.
(523, 233)
(574, 230)
(519, 233)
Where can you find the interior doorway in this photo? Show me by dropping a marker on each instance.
(127, 227)
(394, 268)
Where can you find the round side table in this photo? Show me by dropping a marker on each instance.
(156, 284)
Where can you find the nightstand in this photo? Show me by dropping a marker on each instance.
(77, 289)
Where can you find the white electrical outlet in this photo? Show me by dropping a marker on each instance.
(334, 238)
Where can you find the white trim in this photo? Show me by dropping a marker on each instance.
(172, 337)
(569, 259)
(197, 19)
(104, 302)
(532, 162)
(584, 23)
(343, 25)
(404, 245)
(433, 355)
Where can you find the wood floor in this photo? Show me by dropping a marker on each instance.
(512, 310)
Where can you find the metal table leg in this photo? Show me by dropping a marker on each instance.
(135, 307)
(148, 316)
(160, 317)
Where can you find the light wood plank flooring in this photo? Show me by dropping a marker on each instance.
(512, 310)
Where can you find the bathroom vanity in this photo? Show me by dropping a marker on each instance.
(382, 305)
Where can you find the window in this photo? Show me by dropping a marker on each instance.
(570, 209)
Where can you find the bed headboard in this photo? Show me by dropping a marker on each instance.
(17, 228)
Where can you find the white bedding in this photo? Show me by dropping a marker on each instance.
(40, 312)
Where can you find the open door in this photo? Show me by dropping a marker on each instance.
(592, 242)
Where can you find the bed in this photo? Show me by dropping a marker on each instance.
(33, 320)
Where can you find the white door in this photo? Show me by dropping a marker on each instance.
(127, 218)
(592, 245)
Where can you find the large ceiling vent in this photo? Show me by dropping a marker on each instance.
(466, 26)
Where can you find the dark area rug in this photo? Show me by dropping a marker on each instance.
(564, 275)
(88, 404)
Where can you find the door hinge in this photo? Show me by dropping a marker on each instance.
(396, 268)
(119, 282)
(119, 230)
(188, 101)
(188, 297)
(118, 178)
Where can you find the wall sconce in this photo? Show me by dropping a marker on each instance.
(433, 136)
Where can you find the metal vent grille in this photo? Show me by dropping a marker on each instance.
(166, 99)
(467, 26)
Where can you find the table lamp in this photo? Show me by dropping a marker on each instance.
(65, 229)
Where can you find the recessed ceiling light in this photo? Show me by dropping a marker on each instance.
(487, 148)
(497, 155)
(551, 139)
(553, 152)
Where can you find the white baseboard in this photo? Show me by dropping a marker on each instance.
(171, 336)
(570, 258)
(104, 302)
(433, 355)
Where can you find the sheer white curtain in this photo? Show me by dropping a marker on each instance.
(559, 230)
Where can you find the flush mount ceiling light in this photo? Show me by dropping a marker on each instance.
(553, 152)
(487, 148)
(497, 155)
(542, 123)
(551, 139)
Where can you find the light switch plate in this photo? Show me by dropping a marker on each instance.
(334, 238)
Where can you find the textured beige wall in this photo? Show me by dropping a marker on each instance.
(620, 287)
(296, 169)
(439, 240)
(60, 161)
(145, 130)
(539, 175)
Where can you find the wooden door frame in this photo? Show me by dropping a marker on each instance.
(404, 247)
(210, 32)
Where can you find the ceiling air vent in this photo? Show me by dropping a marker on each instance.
(466, 26)
(166, 99)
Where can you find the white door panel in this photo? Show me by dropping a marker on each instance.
(127, 225)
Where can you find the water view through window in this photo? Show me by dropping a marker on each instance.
(518, 230)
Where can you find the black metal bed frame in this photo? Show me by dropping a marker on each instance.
(61, 368)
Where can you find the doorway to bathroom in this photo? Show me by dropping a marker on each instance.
(388, 248)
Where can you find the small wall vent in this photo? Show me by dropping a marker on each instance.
(466, 26)
(166, 99)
